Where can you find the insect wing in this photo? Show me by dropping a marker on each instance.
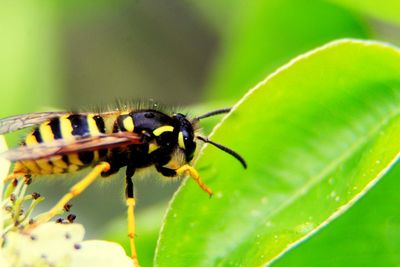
(63, 147)
(86, 144)
(18, 122)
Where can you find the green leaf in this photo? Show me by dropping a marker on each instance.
(263, 35)
(317, 134)
(369, 232)
(29, 56)
(386, 10)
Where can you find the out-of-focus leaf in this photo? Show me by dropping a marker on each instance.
(28, 56)
(266, 34)
(385, 10)
(317, 134)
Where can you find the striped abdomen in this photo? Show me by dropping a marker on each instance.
(65, 127)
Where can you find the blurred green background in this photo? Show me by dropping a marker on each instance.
(58, 55)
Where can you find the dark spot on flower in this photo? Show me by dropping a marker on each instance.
(71, 218)
(67, 207)
(28, 179)
(35, 195)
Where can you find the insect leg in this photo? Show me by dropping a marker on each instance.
(195, 175)
(130, 202)
(77, 189)
(186, 169)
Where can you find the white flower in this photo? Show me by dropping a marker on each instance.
(51, 244)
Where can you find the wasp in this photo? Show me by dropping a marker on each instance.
(142, 138)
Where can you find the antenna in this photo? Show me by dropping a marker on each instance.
(213, 113)
(224, 148)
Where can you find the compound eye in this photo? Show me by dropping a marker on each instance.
(186, 142)
(182, 139)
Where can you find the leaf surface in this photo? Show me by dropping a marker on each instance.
(368, 234)
(317, 134)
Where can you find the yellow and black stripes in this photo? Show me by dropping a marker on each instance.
(79, 124)
(99, 123)
(66, 127)
(124, 123)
